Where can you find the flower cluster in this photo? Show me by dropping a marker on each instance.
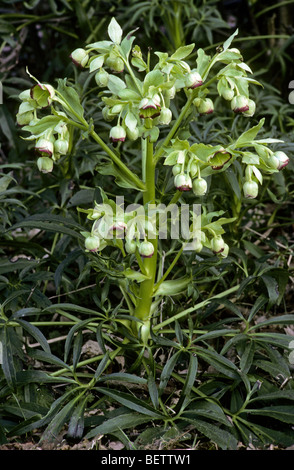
(50, 133)
(129, 231)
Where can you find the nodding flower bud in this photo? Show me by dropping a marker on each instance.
(42, 94)
(250, 189)
(117, 134)
(61, 146)
(251, 110)
(205, 106)
(199, 187)
(170, 93)
(92, 243)
(273, 162)
(146, 249)
(176, 169)
(225, 252)
(130, 246)
(240, 104)
(165, 116)
(44, 147)
(133, 134)
(283, 159)
(217, 245)
(183, 182)
(45, 164)
(193, 80)
(80, 57)
(150, 107)
(228, 94)
(115, 63)
(23, 119)
(101, 78)
(197, 245)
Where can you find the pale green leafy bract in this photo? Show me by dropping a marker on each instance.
(115, 31)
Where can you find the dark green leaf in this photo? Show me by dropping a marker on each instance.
(131, 402)
(124, 421)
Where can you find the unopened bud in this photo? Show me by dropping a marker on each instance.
(130, 246)
(250, 189)
(45, 164)
(23, 119)
(92, 243)
(115, 63)
(165, 116)
(101, 78)
(80, 57)
(177, 169)
(199, 187)
(146, 249)
(61, 146)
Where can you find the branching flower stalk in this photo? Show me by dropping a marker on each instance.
(137, 99)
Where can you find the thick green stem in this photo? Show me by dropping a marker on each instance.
(143, 309)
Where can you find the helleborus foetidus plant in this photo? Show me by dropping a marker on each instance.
(139, 101)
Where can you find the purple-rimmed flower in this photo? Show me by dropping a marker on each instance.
(117, 134)
(45, 164)
(150, 107)
(146, 249)
(118, 229)
(217, 245)
(183, 182)
(44, 147)
(42, 94)
(225, 252)
(193, 80)
(219, 159)
(92, 243)
(79, 57)
(250, 189)
(240, 104)
(205, 106)
(251, 109)
(283, 159)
